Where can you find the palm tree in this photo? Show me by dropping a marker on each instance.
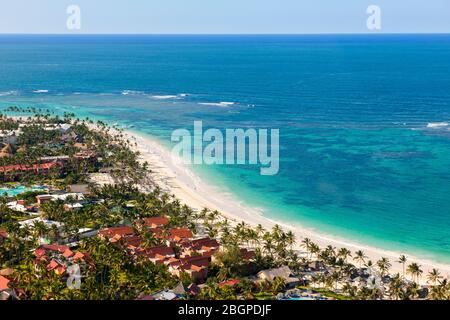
(384, 265)
(415, 271)
(360, 257)
(413, 290)
(434, 276)
(278, 284)
(402, 259)
(259, 230)
(396, 287)
(268, 244)
(335, 277)
(440, 291)
(290, 239)
(314, 249)
(350, 290)
(344, 253)
(277, 232)
(306, 243)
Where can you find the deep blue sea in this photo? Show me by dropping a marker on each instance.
(361, 154)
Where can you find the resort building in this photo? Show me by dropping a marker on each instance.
(158, 254)
(43, 198)
(76, 197)
(179, 234)
(282, 272)
(63, 128)
(4, 284)
(48, 223)
(57, 258)
(115, 234)
(199, 246)
(10, 137)
(155, 222)
(195, 267)
(82, 188)
(18, 205)
(15, 172)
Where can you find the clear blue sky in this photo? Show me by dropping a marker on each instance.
(224, 16)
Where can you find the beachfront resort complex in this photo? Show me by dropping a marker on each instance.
(81, 217)
(227, 158)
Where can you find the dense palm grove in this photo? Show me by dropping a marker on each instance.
(108, 269)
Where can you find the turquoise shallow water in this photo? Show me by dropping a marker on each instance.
(358, 157)
(12, 192)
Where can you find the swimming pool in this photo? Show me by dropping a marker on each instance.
(12, 192)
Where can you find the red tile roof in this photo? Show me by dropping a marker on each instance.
(180, 234)
(163, 251)
(196, 268)
(39, 253)
(198, 261)
(4, 283)
(42, 250)
(68, 253)
(117, 231)
(60, 270)
(34, 167)
(199, 244)
(54, 247)
(52, 265)
(79, 256)
(132, 242)
(3, 233)
(57, 267)
(230, 283)
(156, 222)
(209, 254)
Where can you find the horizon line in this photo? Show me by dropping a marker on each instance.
(224, 34)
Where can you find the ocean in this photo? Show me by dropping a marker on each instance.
(363, 119)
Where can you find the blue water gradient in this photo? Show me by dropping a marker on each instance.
(358, 156)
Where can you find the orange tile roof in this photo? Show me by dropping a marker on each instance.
(4, 283)
(162, 251)
(3, 233)
(117, 231)
(198, 261)
(52, 265)
(79, 256)
(133, 242)
(54, 247)
(68, 253)
(196, 268)
(156, 221)
(60, 270)
(34, 167)
(180, 233)
(230, 283)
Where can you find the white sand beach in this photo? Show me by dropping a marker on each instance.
(178, 179)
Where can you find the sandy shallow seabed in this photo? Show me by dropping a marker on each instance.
(179, 180)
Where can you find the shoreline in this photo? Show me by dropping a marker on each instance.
(179, 180)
